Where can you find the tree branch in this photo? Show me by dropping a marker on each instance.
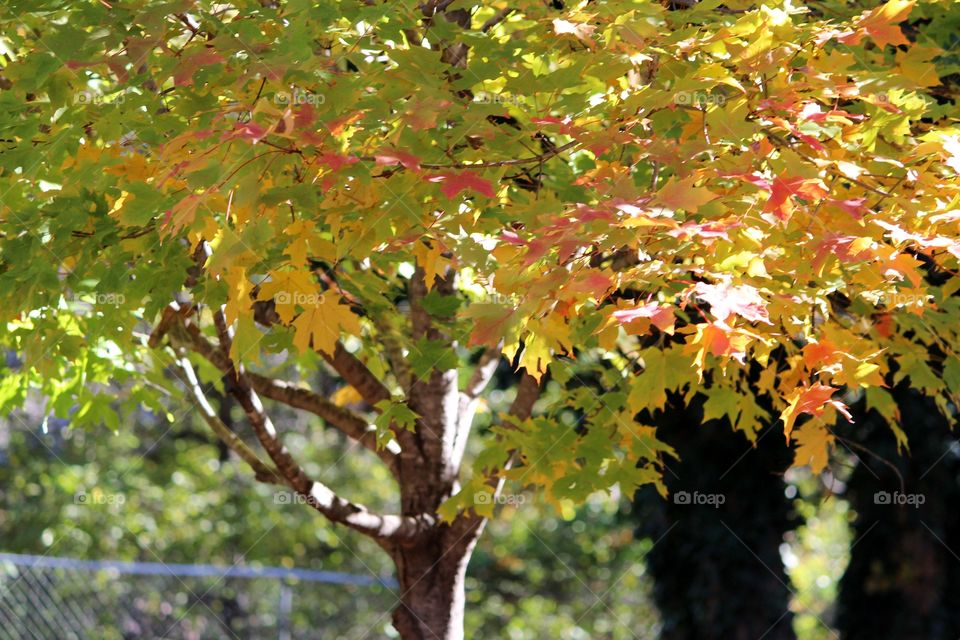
(528, 391)
(483, 373)
(347, 422)
(436, 399)
(349, 367)
(262, 471)
(496, 19)
(357, 375)
(382, 528)
(470, 399)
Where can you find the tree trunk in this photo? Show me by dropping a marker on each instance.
(716, 563)
(903, 580)
(430, 572)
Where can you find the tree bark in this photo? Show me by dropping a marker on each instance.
(431, 570)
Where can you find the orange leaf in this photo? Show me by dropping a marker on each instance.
(880, 24)
(682, 194)
(812, 400)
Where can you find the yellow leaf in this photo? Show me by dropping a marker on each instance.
(814, 441)
(682, 194)
(118, 205)
(239, 288)
(320, 325)
(430, 260)
(288, 289)
(246, 340)
(346, 395)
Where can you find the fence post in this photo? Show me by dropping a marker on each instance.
(283, 612)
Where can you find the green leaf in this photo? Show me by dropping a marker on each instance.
(431, 355)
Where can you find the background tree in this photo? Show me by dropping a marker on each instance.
(406, 194)
(716, 563)
(903, 573)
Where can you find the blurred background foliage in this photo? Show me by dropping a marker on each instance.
(536, 574)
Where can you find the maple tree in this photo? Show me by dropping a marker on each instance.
(412, 194)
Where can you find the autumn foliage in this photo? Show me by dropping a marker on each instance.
(731, 199)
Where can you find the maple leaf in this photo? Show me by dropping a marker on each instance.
(490, 323)
(430, 259)
(816, 353)
(683, 194)
(320, 325)
(722, 402)
(182, 214)
(336, 161)
(580, 31)
(592, 283)
(814, 442)
(719, 340)
(782, 190)
(880, 23)
(288, 289)
(247, 131)
(725, 299)
(812, 400)
(239, 288)
(408, 160)
(651, 312)
(453, 183)
(188, 66)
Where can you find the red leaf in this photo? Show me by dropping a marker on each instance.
(511, 237)
(783, 189)
(854, 206)
(812, 400)
(409, 161)
(815, 353)
(564, 126)
(660, 317)
(250, 130)
(188, 66)
(336, 161)
(593, 282)
(880, 23)
(453, 183)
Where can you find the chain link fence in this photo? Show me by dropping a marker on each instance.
(49, 598)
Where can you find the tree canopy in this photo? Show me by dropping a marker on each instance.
(616, 199)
